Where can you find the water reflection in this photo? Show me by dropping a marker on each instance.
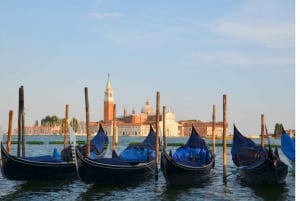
(28, 190)
(111, 191)
(275, 192)
(216, 189)
(173, 192)
(197, 191)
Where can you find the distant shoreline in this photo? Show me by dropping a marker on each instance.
(131, 143)
(208, 137)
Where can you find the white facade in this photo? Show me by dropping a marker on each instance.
(129, 129)
(171, 125)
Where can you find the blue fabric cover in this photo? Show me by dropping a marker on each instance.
(288, 146)
(99, 141)
(244, 151)
(93, 155)
(256, 163)
(97, 147)
(190, 156)
(112, 161)
(137, 154)
(141, 153)
(150, 140)
(194, 153)
(56, 154)
(45, 158)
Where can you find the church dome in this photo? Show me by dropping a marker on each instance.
(147, 109)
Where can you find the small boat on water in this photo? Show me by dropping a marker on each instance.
(55, 166)
(288, 147)
(134, 164)
(191, 163)
(257, 164)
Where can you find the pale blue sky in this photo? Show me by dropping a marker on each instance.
(193, 52)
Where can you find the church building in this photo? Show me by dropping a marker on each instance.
(134, 124)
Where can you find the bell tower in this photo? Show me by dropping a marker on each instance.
(108, 101)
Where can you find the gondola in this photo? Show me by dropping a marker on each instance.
(288, 147)
(191, 163)
(135, 163)
(56, 166)
(257, 164)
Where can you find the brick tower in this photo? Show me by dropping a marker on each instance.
(108, 101)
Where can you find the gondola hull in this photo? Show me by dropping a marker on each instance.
(49, 167)
(257, 164)
(265, 173)
(179, 174)
(16, 168)
(93, 171)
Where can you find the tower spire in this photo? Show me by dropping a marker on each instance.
(108, 83)
(108, 101)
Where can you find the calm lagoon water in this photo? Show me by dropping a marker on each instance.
(216, 188)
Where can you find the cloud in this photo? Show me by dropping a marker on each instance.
(225, 58)
(268, 23)
(279, 35)
(105, 15)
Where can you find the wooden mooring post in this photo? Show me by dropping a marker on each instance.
(87, 116)
(224, 134)
(19, 126)
(157, 135)
(164, 127)
(214, 130)
(66, 126)
(114, 137)
(262, 131)
(21, 122)
(9, 133)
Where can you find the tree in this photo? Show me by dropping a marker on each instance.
(74, 124)
(278, 130)
(51, 121)
(55, 121)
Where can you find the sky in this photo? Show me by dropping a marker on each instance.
(191, 52)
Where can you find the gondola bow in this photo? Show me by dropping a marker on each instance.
(190, 164)
(257, 164)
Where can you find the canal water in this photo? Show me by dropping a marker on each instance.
(216, 188)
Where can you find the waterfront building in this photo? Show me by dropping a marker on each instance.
(134, 124)
(203, 128)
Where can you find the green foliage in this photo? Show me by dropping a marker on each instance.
(51, 121)
(176, 144)
(56, 142)
(80, 141)
(74, 124)
(278, 130)
(55, 121)
(62, 142)
(134, 143)
(35, 142)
